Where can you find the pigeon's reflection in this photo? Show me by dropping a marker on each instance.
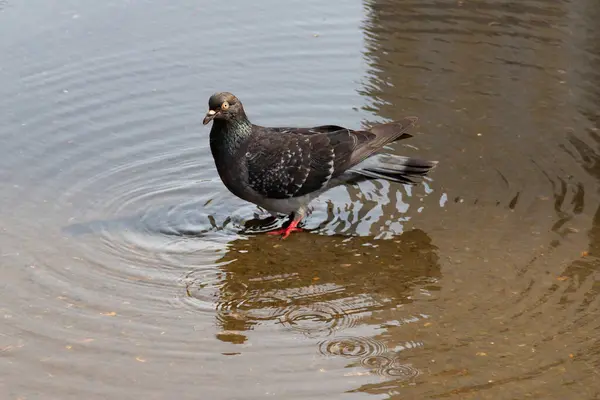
(317, 285)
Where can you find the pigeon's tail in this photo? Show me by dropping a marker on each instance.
(394, 168)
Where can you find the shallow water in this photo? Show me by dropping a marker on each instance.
(126, 269)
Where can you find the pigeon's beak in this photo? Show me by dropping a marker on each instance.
(209, 116)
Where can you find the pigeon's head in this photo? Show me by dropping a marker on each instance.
(223, 105)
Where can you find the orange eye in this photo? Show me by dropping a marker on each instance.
(225, 105)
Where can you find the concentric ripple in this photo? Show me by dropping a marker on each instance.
(387, 365)
(297, 310)
(400, 371)
(378, 363)
(317, 319)
(352, 347)
(209, 289)
(372, 354)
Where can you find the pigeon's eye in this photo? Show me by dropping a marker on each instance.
(225, 105)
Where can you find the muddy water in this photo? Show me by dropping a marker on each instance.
(128, 271)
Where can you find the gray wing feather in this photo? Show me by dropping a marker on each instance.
(293, 162)
(283, 166)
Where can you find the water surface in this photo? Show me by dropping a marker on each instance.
(127, 271)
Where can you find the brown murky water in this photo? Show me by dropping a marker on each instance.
(125, 270)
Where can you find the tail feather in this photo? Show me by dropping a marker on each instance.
(380, 135)
(394, 168)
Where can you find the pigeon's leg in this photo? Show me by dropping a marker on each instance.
(295, 218)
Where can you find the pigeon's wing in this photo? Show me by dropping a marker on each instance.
(391, 131)
(309, 131)
(287, 164)
(280, 164)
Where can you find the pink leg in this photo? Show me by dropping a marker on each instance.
(285, 232)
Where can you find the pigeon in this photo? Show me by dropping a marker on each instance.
(282, 169)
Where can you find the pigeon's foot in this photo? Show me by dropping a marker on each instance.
(285, 232)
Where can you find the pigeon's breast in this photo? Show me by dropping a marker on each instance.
(230, 166)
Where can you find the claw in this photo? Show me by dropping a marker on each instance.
(285, 232)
